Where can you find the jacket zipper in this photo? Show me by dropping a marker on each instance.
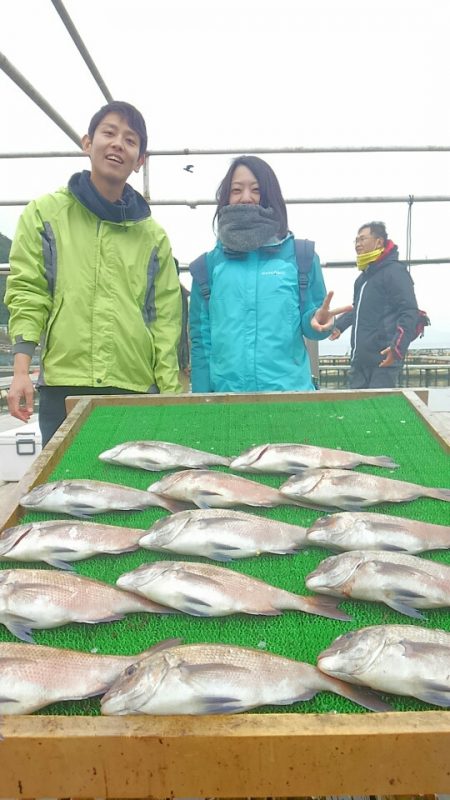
(355, 329)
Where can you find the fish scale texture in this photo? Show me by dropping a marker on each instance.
(381, 426)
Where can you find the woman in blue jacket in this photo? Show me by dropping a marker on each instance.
(248, 315)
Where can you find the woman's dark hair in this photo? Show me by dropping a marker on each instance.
(269, 189)
(127, 111)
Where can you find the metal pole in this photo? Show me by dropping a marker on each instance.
(289, 201)
(279, 150)
(47, 154)
(187, 151)
(146, 178)
(37, 98)
(82, 49)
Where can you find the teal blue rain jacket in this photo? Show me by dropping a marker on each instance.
(248, 337)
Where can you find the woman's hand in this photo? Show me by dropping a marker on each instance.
(323, 319)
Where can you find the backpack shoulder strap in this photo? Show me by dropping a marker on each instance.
(304, 255)
(199, 272)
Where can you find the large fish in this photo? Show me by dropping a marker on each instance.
(402, 659)
(156, 456)
(369, 531)
(209, 489)
(403, 582)
(32, 676)
(221, 679)
(81, 498)
(350, 491)
(292, 458)
(58, 542)
(204, 590)
(35, 598)
(222, 535)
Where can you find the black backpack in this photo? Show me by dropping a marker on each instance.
(304, 255)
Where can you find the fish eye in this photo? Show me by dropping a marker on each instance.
(343, 638)
(131, 670)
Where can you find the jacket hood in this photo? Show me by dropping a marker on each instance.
(131, 207)
(388, 256)
(390, 253)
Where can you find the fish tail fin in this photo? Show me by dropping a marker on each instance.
(20, 627)
(322, 607)
(165, 644)
(381, 461)
(357, 694)
(164, 502)
(437, 494)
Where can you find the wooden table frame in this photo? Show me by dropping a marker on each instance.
(283, 755)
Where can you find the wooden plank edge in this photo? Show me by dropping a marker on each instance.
(282, 755)
(259, 397)
(43, 465)
(430, 420)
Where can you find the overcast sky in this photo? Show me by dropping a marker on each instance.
(244, 74)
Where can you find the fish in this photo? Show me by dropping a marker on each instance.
(403, 582)
(157, 456)
(293, 458)
(58, 542)
(32, 675)
(369, 531)
(82, 498)
(204, 590)
(208, 489)
(34, 598)
(221, 679)
(401, 659)
(332, 489)
(222, 535)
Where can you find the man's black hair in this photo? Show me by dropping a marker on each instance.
(377, 229)
(127, 111)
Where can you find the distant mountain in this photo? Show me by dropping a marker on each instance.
(5, 247)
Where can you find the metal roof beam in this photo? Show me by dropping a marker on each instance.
(279, 150)
(78, 41)
(37, 98)
(438, 198)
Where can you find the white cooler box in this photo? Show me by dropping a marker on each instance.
(18, 449)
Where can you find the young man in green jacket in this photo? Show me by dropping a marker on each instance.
(93, 275)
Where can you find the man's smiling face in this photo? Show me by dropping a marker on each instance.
(114, 153)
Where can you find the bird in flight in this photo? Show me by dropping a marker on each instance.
(189, 167)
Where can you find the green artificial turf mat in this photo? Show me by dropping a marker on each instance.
(380, 426)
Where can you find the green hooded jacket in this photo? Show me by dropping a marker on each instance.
(104, 294)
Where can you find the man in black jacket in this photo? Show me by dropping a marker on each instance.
(384, 314)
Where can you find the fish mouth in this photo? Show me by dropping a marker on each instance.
(343, 649)
(326, 664)
(334, 574)
(113, 703)
(26, 500)
(318, 536)
(323, 522)
(135, 580)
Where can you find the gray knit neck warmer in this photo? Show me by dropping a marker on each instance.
(242, 228)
